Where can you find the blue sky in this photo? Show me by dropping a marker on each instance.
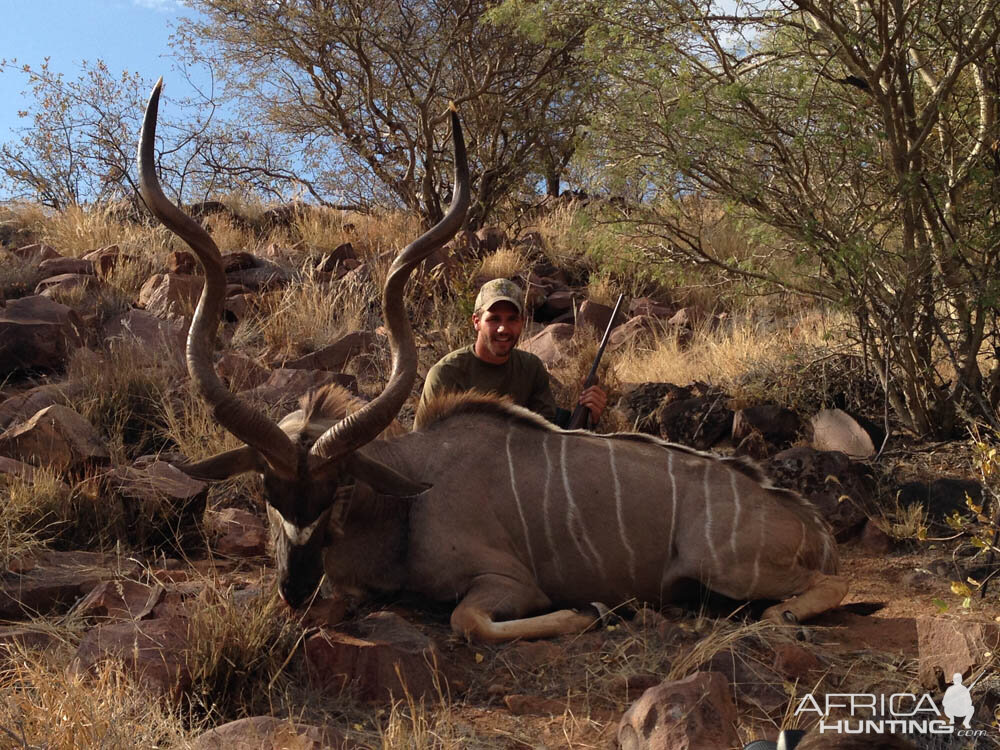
(126, 34)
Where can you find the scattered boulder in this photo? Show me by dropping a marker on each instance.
(120, 600)
(153, 651)
(634, 331)
(163, 505)
(18, 408)
(182, 262)
(271, 733)
(286, 385)
(329, 262)
(375, 666)
(150, 331)
(551, 344)
(36, 252)
(51, 581)
(171, 295)
(836, 430)
(15, 468)
(777, 424)
(236, 533)
(26, 638)
(59, 266)
(838, 487)
(950, 646)
(57, 437)
(240, 372)
(336, 355)
(491, 239)
(641, 402)
(37, 333)
(597, 316)
(256, 274)
(696, 713)
(874, 540)
(64, 282)
(795, 662)
(555, 306)
(105, 260)
(700, 422)
(648, 306)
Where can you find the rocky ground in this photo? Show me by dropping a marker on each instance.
(116, 563)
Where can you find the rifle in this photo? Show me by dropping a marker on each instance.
(581, 414)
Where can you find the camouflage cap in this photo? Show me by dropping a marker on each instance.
(499, 290)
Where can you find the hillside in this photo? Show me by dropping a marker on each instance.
(139, 604)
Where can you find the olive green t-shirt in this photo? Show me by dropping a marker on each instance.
(522, 377)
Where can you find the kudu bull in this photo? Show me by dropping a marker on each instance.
(485, 503)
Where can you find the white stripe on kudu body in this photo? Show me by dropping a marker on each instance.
(709, 535)
(517, 502)
(736, 512)
(546, 515)
(619, 511)
(574, 518)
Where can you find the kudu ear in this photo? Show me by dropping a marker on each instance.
(381, 478)
(226, 464)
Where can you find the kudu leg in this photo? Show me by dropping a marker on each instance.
(493, 596)
(824, 593)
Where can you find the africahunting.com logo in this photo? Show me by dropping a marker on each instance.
(898, 713)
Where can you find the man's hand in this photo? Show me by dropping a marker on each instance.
(595, 399)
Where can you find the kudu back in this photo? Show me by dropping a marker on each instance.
(486, 503)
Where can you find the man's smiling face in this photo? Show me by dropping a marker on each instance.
(497, 332)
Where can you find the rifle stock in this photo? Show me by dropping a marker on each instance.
(581, 414)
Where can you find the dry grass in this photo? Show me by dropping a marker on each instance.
(121, 395)
(31, 511)
(302, 318)
(240, 647)
(43, 706)
(503, 264)
(769, 352)
(17, 277)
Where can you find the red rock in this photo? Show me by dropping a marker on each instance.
(152, 332)
(37, 333)
(948, 646)
(55, 436)
(337, 354)
(35, 253)
(170, 296)
(153, 651)
(236, 533)
(597, 316)
(18, 408)
(58, 266)
(551, 344)
(120, 600)
(286, 385)
(271, 733)
(795, 662)
(375, 667)
(105, 260)
(182, 262)
(874, 540)
(64, 282)
(491, 239)
(696, 713)
(240, 372)
(534, 705)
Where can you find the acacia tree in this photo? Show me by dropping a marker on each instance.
(864, 133)
(80, 144)
(373, 79)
